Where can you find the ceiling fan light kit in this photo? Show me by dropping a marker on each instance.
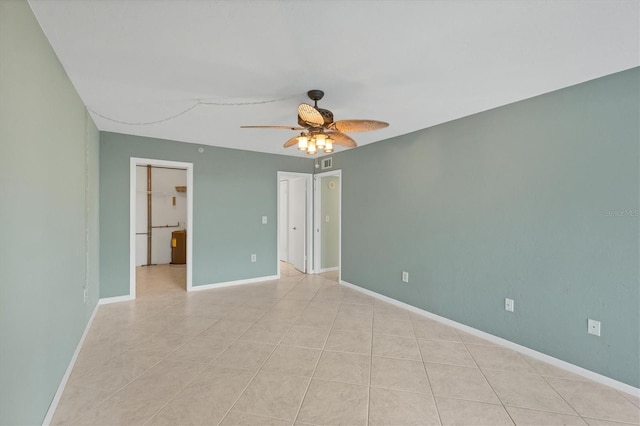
(320, 132)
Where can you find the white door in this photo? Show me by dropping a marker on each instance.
(283, 223)
(297, 223)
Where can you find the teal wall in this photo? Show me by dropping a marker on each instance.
(330, 205)
(49, 213)
(535, 201)
(233, 189)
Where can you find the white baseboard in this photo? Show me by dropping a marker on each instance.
(599, 378)
(231, 283)
(63, 383)
(116, 299)
(323, 270)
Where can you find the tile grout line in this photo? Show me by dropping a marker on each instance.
(304, 395)
(424, 367)
(207, 365)
(558, 393)
(216, 357)
(160, 359)
(75, 420)
(504, 407)
(373, 318)
(270, 354)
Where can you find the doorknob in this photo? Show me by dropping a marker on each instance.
(294, 228)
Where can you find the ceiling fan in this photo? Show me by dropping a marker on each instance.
(319, 131)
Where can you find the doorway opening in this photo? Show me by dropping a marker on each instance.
(161, 212)
(295, 223)
(328, 222)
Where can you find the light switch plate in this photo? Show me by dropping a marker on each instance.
(509, 305)
(264, 220)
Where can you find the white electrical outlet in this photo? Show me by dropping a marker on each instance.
(253, 258)
(405, 277)
(508, 305)
(86, 295)
(264, 220)
(593, 327)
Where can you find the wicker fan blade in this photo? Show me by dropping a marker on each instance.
(291, 142)
(310, 115)
(272, 127)
(351, 126)
(342, 139)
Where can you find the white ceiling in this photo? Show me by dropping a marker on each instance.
(414, 64)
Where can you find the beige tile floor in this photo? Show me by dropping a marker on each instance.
(304, 350)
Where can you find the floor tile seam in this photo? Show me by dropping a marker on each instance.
(557, 412)
(258, 415)
(300, 376)
(383, 319)
(478, 364)
(451, 364)
(195, 376)
(91, 345)
(113, 394)
(355, 303)
(392, 335)
(412, 336)
(621, 423)
(73, 420)
(440, 340)
(340, 328)
(397, 389)
(529, 373)
(345, 352)
(206, 366)
(488, 345)
(629, 397)
(424, 366)
(400, 358)
(471, 399)
(574, 414)
(579, 379)
(575, 410)
(551, 375)
(255, 374)
(344, 382)
(70, 381)
(504, 407)
(396, 357)
(313, 373)
(358, 316)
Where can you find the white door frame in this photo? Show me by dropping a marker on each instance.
(309, 218)
(317, 206)
(283, 218)
(134, 161)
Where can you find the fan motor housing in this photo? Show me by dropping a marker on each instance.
(326, 115)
